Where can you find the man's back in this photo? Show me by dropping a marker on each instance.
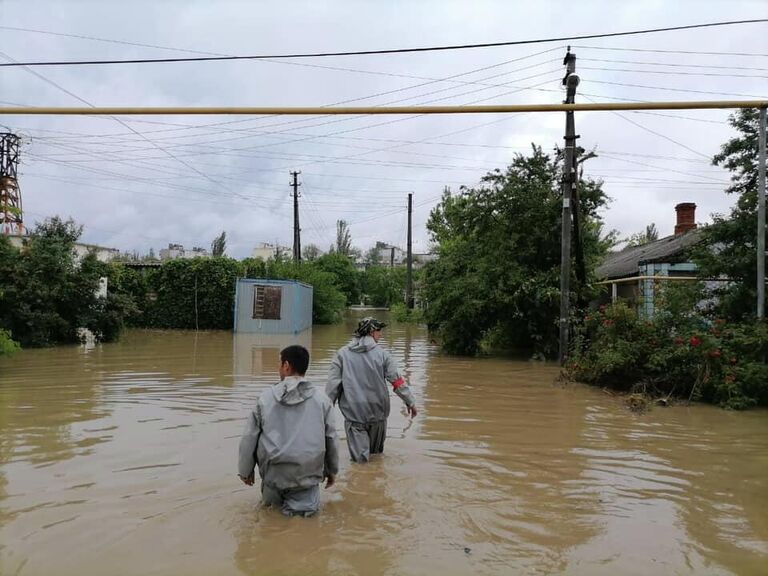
(363, 366)
(294, 419)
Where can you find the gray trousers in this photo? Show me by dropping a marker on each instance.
(293, 502)
(365, 439)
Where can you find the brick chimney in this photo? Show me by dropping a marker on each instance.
(686, 217)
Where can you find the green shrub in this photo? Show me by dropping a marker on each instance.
(679, 351)
(383, 286)
(401, 313)
(8, 346)
(46, 294)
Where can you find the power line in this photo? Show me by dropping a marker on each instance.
(118, 120)
(698, 52)
(380, 52)
(326, 122)
(659, 134)
(673, 73)
(674, 89)
(673, 64)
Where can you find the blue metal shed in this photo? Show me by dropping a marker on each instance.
(266, 306)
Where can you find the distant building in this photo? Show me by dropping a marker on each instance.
(175, 251)
(265, 250)
(636, 272)
(390, 255)
(103, 254)
(419, 260)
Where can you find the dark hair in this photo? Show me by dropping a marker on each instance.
(297, 356)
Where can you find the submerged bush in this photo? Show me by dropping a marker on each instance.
(7, 345)
(679, 351)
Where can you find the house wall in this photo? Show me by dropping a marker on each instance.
(81, 250)
(649, 288)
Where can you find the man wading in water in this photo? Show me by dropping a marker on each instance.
(291, 435)
(358, 381)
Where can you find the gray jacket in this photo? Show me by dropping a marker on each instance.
(291, 435)
(358, 380)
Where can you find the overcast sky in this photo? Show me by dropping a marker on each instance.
(141, 182)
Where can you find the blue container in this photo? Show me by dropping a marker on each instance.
(272, 306)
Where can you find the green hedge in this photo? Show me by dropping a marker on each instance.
(200, 292)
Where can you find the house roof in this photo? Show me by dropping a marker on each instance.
(627, 262)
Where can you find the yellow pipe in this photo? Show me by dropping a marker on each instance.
(347, 110)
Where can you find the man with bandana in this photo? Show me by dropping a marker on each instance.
(359, 380)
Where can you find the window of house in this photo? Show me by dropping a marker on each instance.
(266, 302)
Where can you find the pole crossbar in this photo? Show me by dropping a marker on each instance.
(373, 110)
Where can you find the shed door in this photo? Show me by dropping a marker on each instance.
(266, 302)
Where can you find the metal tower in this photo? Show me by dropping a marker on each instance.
(11, 216)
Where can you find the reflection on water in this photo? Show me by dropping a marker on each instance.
(120, 459)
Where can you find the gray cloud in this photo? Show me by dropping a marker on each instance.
(182, 184)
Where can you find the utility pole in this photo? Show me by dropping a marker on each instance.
(761, 217)
(570, 81)
(296, 229)
(409, 269)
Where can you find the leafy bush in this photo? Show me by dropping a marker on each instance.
(679, 351)
(46, 295)
(401, 313)
(383, 286)
(328, 301)
(7, 345)
(342, 270)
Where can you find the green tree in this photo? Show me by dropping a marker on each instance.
(496, 279)
(46, 295)
(729, 244)
(650, 234)
(328, 301)
(373, 256)
(219, 244)
(384, 286)
(310, 252)
(343, 244)
(345, 276)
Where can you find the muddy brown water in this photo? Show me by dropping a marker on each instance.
(120, 459)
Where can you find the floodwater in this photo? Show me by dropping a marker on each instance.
(121, 459)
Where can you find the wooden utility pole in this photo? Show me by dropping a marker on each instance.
(570, 81)
(409, 268)
(296, 229)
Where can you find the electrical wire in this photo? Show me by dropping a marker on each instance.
(672, 72)
(675, 89)
(387, 51)
(116, 119)
(673, 64)
(657, 51)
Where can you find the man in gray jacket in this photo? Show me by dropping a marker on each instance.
(291, 435)
(358, 380)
